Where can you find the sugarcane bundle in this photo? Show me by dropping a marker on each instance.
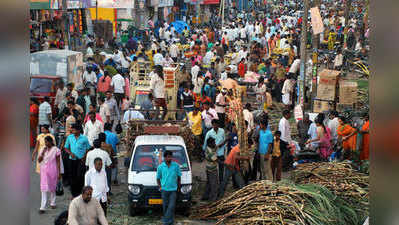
(345, 182)
(279, 203)
(189, 139)
(236, 115)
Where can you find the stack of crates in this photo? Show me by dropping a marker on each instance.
(139, 77)
(171, 87)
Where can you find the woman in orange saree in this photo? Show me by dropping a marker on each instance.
(364, 154)
(347, 134)
(34, 120)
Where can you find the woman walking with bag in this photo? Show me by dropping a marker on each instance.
(49, 160)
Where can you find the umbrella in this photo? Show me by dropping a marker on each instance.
(179, 26)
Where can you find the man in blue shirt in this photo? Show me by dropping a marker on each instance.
(76, 145)
(265, 139)
(169, 182)
(113, 140)
(220, 140)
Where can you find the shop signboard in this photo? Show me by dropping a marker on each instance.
(39, 4)
(154, 2)
(74, 4)
(116, 4)
(165, 3)
(195, 2)
(211, 2)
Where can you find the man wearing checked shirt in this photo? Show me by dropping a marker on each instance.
(220, 140)
(76, 145)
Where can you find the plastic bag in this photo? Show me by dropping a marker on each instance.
(118, 128)
(59, 189)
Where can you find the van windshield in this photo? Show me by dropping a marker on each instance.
(41, 85)
(149, 157)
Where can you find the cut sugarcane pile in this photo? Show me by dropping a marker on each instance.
(137, 128)
(280, 203)
(340, 178)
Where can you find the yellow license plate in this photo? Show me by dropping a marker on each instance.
(155, 201)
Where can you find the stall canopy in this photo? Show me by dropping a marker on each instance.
(64, 63)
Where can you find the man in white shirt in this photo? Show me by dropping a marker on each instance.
(168, 35)
(284, 127)
(97, 152)
(118, 82)
(234, 57)
(208, 114)
(333, 125)
(158, 59)
(243, 34)
(132, 114)
(174, 51)
(45, 112)
(294, 68)
(60, 95)
(105, 112)
(208, 57)
(73, 92)
(93, 128)
(157, 87)
(249, 117)
(172, 29)
(194, 72)
(284, 43)
(97, 179)
(230, 35)
(220, 105)
(287, 90)
(242, 53)
(161, 33)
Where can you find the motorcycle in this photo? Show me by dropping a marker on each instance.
(59, 133)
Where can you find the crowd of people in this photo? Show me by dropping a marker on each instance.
(93, 115)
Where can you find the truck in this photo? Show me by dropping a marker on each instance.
(148, 140)
(140, 84)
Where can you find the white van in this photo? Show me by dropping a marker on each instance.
(147, 155)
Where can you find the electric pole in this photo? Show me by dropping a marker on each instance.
(66, 23)
(348, 4)
(302, 80)
(315, 45)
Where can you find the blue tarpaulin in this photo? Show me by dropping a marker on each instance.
(179, 26)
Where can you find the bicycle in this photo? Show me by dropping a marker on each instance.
(360, 67)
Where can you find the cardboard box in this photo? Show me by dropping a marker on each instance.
(347, 92)
(327, 86)
(326, 92)
(329, 77)
(320, 106)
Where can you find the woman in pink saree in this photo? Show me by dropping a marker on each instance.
(49, 160)
(324, 140)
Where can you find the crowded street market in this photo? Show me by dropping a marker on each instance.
(199, 112)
